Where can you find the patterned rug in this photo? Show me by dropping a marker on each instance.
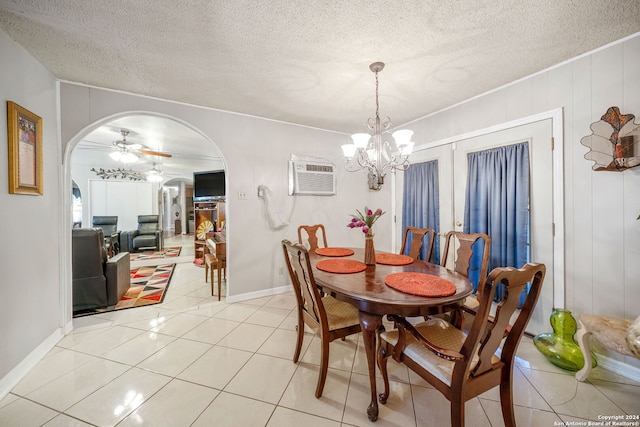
(172, 251)
(148, 286)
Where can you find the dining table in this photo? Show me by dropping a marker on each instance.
(368, 291)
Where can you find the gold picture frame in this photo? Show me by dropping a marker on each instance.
(25, 150)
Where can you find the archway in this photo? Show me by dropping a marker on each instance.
(89, 150)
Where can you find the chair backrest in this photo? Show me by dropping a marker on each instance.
(148, 224)
(312, 236)
(486, 336)
(418, 236)
(304, 285)
(464, 253)
(88, 252)
(108, 223)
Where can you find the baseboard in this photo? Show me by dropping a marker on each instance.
(9, 381)
(618, 367)
(259, 294)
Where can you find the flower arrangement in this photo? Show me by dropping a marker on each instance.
(365, 221)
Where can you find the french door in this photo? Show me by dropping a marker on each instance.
(452, 161)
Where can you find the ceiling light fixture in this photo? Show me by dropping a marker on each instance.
(154, 175)
(124, 156)
(371, 152)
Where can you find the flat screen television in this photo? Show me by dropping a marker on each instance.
(208, 186)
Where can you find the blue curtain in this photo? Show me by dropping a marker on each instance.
(421, 202)
(497, 204)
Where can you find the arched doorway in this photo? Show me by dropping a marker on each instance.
(182, 150)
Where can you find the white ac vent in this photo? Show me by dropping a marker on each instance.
(311, 176)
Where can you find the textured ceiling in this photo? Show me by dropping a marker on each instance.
(306, 62)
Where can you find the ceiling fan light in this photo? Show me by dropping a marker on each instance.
(154, 177)
(115, 155)
(128, 158)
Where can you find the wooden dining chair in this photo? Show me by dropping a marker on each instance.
(326, 316)
(460, 246)
(419, 236)
(312, 236)
(463, 365)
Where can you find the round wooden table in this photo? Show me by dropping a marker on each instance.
(368, 292)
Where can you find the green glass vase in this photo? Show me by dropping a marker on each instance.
(559, 346)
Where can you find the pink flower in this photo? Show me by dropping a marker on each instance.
(365, 220)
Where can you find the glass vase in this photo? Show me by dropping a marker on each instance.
(559, 346)
(369, 250)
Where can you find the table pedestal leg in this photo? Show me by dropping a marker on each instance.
(370, 324)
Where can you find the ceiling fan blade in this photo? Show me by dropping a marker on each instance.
(155, 153)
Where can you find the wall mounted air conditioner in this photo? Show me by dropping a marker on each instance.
(311, 176)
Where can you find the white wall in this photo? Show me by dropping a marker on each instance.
(602, 235)
(29, 225)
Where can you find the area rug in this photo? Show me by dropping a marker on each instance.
(148, 286)
(172, 251)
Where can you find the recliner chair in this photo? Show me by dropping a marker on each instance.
(148, 235)
(109, 226)
(98, 281)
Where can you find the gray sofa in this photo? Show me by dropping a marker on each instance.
(148, 235)
(98, 281)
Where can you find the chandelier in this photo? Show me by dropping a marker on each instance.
(374, 153)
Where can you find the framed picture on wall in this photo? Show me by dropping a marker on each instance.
(25, 150)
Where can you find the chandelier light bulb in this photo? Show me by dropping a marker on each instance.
(402, 137)
(361, 140)
(349, 150)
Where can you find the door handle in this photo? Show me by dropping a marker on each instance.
(458, 224)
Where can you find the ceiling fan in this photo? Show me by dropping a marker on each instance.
(127, 151)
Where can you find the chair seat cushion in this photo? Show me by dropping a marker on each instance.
(144, 241)
(340, 314)
(440, 333)
(610, 331)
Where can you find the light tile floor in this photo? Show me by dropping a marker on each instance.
(195, 361)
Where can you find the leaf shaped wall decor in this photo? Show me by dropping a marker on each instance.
(614, 142)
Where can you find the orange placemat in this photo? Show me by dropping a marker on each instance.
(393, 259)
(421, 284)
(342, 266)
(334, 251)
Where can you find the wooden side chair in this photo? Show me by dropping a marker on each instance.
(419, 236)
(212, 263)
(329, 318)
(462, 244)
(312, 236)
(463, 365)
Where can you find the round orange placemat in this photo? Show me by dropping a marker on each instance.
(393, 259)
(421, 284)
(342, 266)
(334, 251)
